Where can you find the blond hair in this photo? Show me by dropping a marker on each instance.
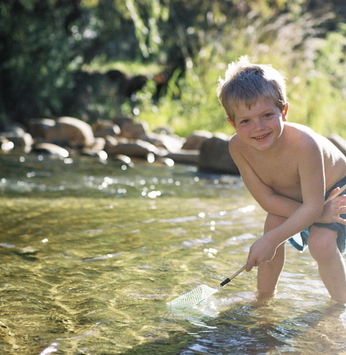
(245, 83)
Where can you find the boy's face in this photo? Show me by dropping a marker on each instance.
(260, 125)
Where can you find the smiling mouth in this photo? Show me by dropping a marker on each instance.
(259, 138)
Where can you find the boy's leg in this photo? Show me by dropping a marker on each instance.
(269, 272)
(331, 265)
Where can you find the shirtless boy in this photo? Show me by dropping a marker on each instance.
(289, 170)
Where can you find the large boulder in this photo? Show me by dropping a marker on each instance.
(38, 127)
(72, 132)
(196, 139)
(214, 156)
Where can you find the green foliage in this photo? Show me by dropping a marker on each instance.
(293, 42)
(37, 58)
(47, 46)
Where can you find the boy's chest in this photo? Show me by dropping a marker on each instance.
(280, 173)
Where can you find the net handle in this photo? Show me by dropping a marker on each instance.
(229, 279)
(335, 194)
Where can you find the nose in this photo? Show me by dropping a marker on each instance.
(259, 124)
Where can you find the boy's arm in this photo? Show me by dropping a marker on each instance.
(312, 180)
(267, 198)
(277, 204)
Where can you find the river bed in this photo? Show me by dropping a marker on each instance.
(91, 253)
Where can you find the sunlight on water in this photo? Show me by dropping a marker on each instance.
(91, 254)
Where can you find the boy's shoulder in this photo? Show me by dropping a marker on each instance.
(234, 140)
(297, 130)
(297, 127)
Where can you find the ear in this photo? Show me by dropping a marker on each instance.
(231, 122)
(285, 112)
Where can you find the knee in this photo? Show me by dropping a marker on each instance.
(322, 244)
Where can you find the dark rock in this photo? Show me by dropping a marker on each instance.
(214, 156)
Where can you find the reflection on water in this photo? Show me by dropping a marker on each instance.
(91, 253)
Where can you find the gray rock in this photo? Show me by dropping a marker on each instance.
(214, 156)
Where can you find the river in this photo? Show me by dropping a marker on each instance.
(91, 252)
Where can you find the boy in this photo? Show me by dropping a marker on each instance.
(289, 170)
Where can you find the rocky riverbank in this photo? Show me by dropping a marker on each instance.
(125, 139)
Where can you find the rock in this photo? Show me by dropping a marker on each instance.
(106, 128)
(24, 142)
(164, 130)
(50, 149)
(138, 148)
(133, 130)
(72, 132)
(185, 156)
(38, 127)
(19, 138)
(96, 149)
(14, 131)
(124, 159)
(196, 139)
(166, 161)
(171, 143)
(101, 154)
(27, 251)
(214, 156)
(121, 120)
(338, 141)
(110, 142)
(5, 144)
(99, 144)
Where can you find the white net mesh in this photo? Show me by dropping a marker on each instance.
(193, 298)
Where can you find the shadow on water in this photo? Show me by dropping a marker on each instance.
(245, 329)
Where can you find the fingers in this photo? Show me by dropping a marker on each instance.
(251, 262)
(340, 200)
(341, 221)
(254, 262)
(249, 266)
(337, 208)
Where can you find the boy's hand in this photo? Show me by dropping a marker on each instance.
(333, 209)
(262, 250)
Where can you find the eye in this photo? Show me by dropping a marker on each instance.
(244, 121)
(268, 115)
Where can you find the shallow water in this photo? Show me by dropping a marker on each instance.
(91, 253)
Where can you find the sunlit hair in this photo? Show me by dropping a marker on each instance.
(245, 83)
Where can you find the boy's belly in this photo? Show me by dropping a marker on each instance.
(293, 192)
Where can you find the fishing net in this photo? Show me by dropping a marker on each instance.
(193, 298)
(199, 294)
